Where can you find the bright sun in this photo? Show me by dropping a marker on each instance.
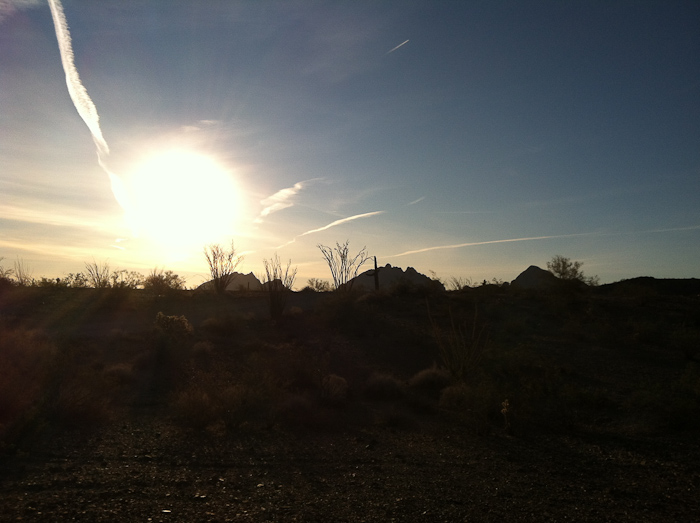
(182, 200)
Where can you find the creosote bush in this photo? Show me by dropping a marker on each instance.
(383, 387)
(334, 389)
(432, 379)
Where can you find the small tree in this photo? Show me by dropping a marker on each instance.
(565, 269)
(278, 281)
(222, 265)
(343, 266)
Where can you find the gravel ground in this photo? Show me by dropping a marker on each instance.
(147, 471)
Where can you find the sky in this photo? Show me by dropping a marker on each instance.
(466, 139)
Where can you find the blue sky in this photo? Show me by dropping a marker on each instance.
(497, 136)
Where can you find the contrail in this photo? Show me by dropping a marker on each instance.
(458, 245)
(343, 220)
(395, 48)
(333, 224)
(82, 101)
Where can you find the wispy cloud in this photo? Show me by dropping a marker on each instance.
(282, 199)
(470, 244)
(418, 200)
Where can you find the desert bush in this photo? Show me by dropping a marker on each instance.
(22, 273)
(432, 379)
(318, 285)
(478, 404)
(159, 281)
(193, 407)
(458, 283)
(77, 280)
(223, 326)
(81, 401)
(334, 389)
(5, 273)
(120, 373)
(298, 411)
(97, 274)
(462, 346)
(218, 396)
(343, 266)
(26, 361)
(278, 282)
(203, 349)
(123, 279)
(383, 387)
(222, 265)
(173, 327)
(567, 270)
(687, 341)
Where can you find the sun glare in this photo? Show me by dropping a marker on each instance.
(183, 200)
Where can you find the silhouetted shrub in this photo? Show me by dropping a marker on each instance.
(432, 379)
(173, 327)
(383, 387)
(334, 389)
(162, 282)
(223, 326)
(298, 411)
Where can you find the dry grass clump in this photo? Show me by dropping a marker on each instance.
(384, 387)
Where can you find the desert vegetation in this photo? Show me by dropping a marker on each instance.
(603, 367)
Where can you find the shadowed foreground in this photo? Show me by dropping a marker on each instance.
(234, 421)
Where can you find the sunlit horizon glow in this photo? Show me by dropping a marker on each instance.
(468, 139)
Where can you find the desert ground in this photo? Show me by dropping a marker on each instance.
(485, 404)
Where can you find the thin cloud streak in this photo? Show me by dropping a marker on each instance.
(471, 244)
(418, 200)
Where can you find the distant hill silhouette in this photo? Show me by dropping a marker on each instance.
(534, 278)
(390, 277)
(244, 282)
(649, 285)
